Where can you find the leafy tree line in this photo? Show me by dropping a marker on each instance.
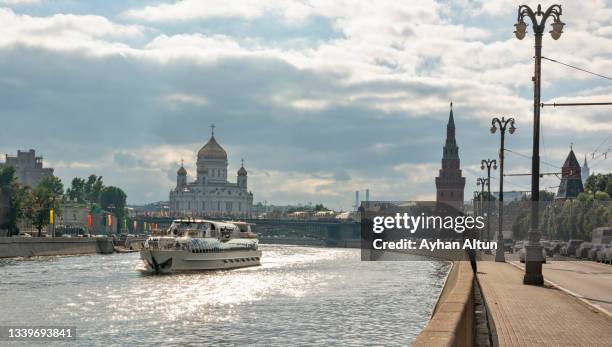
(33, 204)
(600, 184)
(572, 218)
(92, 190)
(27, 203)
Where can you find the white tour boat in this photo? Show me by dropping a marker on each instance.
(197, 244)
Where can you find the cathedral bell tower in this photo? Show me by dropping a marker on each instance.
(450, 184)
(181, 176)
(242, 176)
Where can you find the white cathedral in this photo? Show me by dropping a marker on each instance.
(211, 194)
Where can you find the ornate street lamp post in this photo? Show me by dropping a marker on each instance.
(502, 123)
(488, 163)
(533, 259)
(476, 212)
(481, 181)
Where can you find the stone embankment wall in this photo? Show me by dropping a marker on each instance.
(35, 246)
(452, 323)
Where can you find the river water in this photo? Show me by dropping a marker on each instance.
(300, 295)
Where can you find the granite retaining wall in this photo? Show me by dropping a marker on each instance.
(37, 246)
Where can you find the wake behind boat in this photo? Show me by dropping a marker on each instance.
(198, 244)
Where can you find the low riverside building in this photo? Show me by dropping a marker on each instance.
(74, 217)
(29, 168)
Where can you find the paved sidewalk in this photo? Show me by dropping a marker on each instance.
(538, 316)
(585, 279)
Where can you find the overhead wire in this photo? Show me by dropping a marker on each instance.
(528, 157)
(578, 68)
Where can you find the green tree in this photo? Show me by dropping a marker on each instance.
(76, 192)
(602, 196)
(320, 207)
(7, 176)
(113, 199)
(12, 194)
(53, 184)
(546, 195)
(584, 197)
(46, 196)
(597, 183)
(93, 188)
(520, 227)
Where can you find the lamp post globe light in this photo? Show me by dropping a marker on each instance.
(487, 164)
(533, 258)
(502, 124)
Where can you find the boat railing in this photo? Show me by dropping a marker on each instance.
(199, 246)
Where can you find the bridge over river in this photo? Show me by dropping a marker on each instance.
(291, 231)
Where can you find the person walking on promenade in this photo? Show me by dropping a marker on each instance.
(471, 253)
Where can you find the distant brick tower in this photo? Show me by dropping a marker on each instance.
(450, 184)
(571, 178)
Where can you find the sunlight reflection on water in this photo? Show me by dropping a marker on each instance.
(300, 295)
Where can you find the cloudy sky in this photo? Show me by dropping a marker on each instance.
(319, 97)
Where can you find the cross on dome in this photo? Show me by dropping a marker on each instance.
(212, 149)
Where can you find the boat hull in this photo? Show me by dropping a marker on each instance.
(167, 261)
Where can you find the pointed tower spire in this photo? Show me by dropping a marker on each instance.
(242, 171)
(451, 151)
(585, 172)
(181, 171)
(571, 177)
(450, 183)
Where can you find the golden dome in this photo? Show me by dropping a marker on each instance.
(181, 171)
(212, 150)
(242, 171)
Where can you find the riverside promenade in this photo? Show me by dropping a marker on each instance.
(522, 315)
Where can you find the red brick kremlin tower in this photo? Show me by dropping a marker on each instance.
(571, 178)
(450, 184)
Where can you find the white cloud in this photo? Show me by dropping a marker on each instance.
(179, 98)
(193, 9)
(385, 58)
(20, 2)
(91, 33)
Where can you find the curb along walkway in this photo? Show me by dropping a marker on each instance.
(538, 316)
